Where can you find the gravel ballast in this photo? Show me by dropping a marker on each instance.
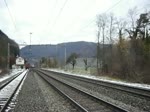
(37, 95)
(122, 99)
(30, 98)
(55, 102)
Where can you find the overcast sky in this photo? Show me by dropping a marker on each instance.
(56, 21)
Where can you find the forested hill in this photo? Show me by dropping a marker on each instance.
(14, 49)
(83, 49)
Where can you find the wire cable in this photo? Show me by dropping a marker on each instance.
(104, 12)
(113, 6)
(91, 21)
(46, 26)
(10, 15)
(61, 9)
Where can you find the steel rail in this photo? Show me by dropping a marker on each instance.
(12, 95)
(86, 93)
(62, 93)
(9, 80)
(130, 89)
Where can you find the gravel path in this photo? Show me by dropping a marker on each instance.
(30, 97)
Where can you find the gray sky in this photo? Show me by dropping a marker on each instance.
(56, 21)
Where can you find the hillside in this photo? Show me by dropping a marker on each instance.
(83, 49)
(14, 49)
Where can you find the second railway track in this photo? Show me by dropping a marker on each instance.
(130, 98)
(84, 101)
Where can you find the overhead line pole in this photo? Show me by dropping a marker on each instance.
(8, 55)
(30, 40)
(10, 14)
(65, 56)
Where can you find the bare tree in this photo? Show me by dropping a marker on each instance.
(72, 59)
(132, 18)
(121, 26)
(112, 23)
(86, 64)
(102, 24)
(123, 56)
(98, 48)
(99, 25)
(132, 14)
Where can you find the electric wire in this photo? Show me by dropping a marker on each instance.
(104, 12)
(10, 15)
(113, 6)
(46, 26)
(87, 25)
(61, 9)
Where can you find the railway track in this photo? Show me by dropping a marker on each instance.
(9, 90)
(84, 101)
(7, 81)
(130, 89)
(132, 98)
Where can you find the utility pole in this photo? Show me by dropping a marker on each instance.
(56, 52)
(98, 51)
(110, 36)
(57, 58)
(30, 47)
(103, 53)
(145, 31)
(8, 55)
(30, 41)
(65, 56)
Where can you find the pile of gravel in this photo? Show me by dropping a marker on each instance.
(30, 98)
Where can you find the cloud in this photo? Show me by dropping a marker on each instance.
(76, 21)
